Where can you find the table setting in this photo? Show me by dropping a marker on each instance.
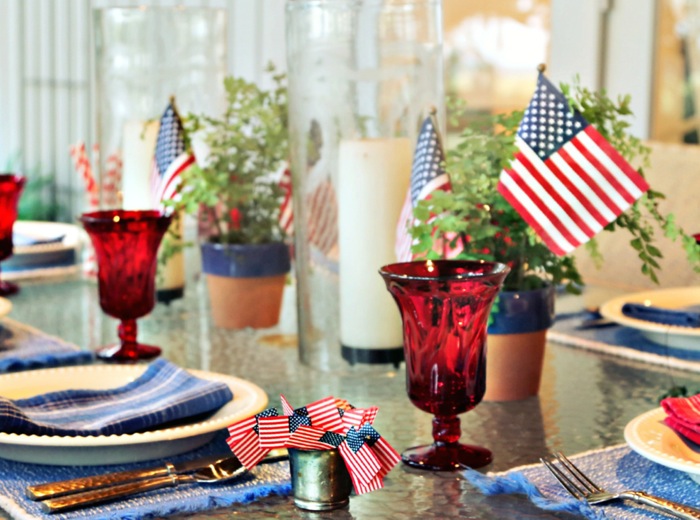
(425, 282)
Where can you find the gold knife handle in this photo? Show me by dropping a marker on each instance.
(66, 487)
(98, 496)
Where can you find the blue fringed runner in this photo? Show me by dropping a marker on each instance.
(23, 348)
(617, 468)
(266, 479)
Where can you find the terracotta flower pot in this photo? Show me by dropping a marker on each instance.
(245, 282)
(515, 344)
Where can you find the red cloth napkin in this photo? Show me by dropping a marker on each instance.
(683, 415)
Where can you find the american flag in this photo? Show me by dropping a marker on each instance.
(275, 431)
(359, 416)
(388, 457)
(286, 217)
(427, 175)
(244, 440)
(171, 158)
(308, 438)
(566, 180)
(363, 465)
(322, 217)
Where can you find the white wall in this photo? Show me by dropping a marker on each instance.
(609, 44)
(45, 77)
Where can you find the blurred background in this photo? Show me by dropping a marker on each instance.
(646, 48)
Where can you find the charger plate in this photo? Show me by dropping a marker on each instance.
(248, 399)
(649, 436)
(670, 335)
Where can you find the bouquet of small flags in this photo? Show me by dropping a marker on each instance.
(326, 424)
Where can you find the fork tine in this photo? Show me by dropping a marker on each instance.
(564, 480)
(578, 474)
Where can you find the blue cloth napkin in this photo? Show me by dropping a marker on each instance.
(617, 468)
(162, 394)
(620, 341)
(23, 348)
(266, 479)
(678, 317)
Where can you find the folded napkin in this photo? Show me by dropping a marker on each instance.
(23, 347)
(683, 415)
(678, 317)
(266, 479)
(162, 394)
(616, 468)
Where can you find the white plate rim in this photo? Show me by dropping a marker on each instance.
(5, 307)
(612, 309)
(256, 401)
(71, 240)
(634, 440)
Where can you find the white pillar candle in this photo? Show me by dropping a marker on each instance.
(373, 176)
(138, 149)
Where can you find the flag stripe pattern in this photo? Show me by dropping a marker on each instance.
(286, 217)
(566, 180)
(427, 175)
(322, 217)
(319, 426)
(171, 158)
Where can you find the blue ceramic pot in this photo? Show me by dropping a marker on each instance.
(523, 311)
(245, 260)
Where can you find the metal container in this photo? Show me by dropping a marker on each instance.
(320, 480)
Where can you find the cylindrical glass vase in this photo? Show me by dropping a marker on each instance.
(144, 57)
(363, 75)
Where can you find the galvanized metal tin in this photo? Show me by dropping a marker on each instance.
(320, 480)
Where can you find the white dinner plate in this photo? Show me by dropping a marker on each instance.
(248, 399)
(57, 250)
(651, 438)
(670, 335)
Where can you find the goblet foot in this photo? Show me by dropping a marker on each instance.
(447, 456)
(8, 288)
(128, 352)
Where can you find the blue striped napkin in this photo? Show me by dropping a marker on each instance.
(23, 347)
(164, 393)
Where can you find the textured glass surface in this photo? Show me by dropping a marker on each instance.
(585, 401)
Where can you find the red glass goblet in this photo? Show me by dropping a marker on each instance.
(126, 246)
(11, 187)
(445, 306)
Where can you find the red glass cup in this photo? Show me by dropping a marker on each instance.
(445, 306)
(11, 187)
(126, 246)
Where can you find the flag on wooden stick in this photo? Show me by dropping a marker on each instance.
(566, 180)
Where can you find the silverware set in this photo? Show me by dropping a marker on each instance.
(583, 488)
(81, 492)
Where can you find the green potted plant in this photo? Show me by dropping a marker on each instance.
(235, 194)
(474, 221)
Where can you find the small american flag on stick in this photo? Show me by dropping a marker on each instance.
(171, 158)
(427, 175)
(566, 180)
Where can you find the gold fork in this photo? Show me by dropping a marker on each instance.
(583, 488)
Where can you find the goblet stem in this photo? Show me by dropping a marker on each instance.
(446, 453)
(128, 349)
